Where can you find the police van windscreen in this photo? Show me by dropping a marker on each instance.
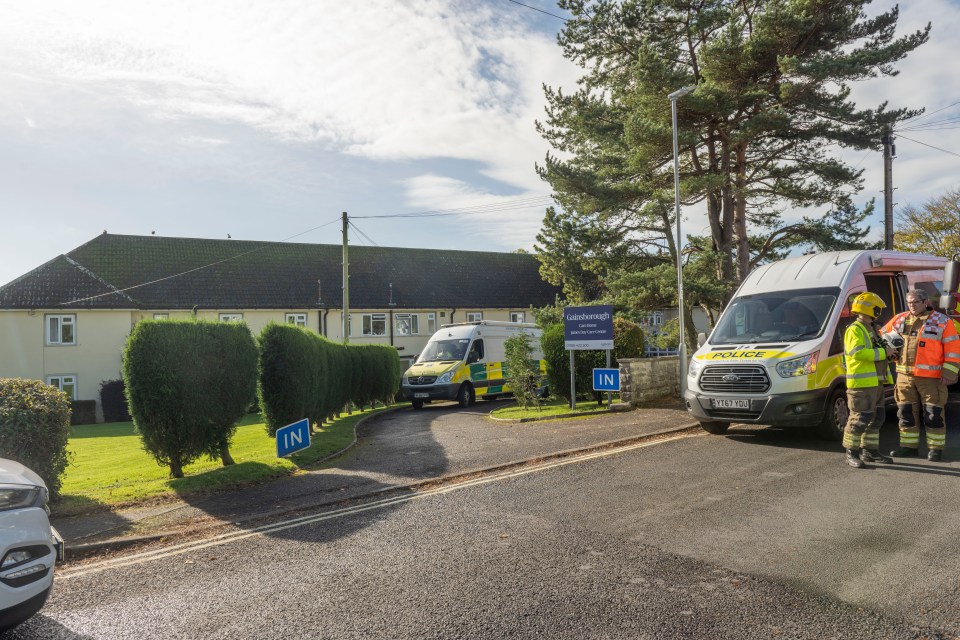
(778, 316)
(444, 350)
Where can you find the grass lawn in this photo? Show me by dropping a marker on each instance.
(551, 408)
(109, 466)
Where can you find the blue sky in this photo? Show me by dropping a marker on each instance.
(263, 120)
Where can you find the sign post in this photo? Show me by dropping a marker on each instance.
(293, 437)
(586, 329)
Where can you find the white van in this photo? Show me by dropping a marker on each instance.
(463, 361)
(775, 356)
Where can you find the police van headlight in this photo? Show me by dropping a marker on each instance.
(802, 366)
(446, 378)
(694, 369)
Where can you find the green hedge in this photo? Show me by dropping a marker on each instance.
(83, 411)
(188, 382)
(113, 401)
(34, 427)
(304, 375)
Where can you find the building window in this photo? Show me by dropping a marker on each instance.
(431, 323)
(474, 316)
(67, 384)
(299, 319)
(655, 319)
(161, 316)
(231, 317)
(61, 329)
(517, 316)
(406, 324)
(374, 324)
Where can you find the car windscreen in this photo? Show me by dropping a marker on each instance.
(444, 350)
(778, 316)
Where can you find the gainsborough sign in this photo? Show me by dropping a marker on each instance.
(586, 328)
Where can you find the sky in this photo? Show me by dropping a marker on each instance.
(264, 120)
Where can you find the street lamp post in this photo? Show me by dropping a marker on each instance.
(676, 95)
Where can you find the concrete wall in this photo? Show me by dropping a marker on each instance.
(646, 379)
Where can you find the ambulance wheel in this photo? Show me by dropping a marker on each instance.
(715, 427)
(417, 404)
(834, 416)
(466, 395)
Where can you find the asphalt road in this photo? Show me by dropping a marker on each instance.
(759, 534)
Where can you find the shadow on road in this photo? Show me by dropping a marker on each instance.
(41, 627)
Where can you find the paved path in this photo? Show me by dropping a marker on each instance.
(394, 450)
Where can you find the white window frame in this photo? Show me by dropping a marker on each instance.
(474, 316)
(431, 323)
(414, 319)
(231, 317)
(62, 319)
(298, 319)
(64, 380)
(368, 321)
(517, 316)
(161, 316)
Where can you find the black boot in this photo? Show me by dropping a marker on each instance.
(873, 455)
(905, 452)
(935, 455)
(853, 458)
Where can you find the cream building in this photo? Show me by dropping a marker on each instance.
(66, 321)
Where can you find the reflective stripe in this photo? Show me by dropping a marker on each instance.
(951, 339)
(949, 366)
(929, 367)
(855, 349)
(855, 376)
(936, 438)
(909, 439)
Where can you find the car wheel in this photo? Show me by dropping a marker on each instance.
(715, 427)
(835, 416)
(466, 395)
(417, 404)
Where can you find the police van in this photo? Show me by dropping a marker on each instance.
(775, 356)
(463, 361)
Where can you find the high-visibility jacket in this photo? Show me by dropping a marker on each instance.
(937, 345)
(866, 364)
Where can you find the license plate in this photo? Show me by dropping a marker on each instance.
(421, 395)
(719, 403)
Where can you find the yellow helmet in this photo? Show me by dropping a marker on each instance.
(868, 304)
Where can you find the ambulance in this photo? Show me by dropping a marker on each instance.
(463, 361)
(775, 356)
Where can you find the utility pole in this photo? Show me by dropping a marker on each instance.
(346, 284)
(889, 152)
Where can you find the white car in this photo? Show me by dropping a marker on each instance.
(30, 546)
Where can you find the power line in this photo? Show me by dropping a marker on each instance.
(553, 15)
(929, 145)
(357, 229)
(195, 269)
(493, 207)
(927, 115)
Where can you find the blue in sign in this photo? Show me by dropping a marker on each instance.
(606, 379)
(293, 437)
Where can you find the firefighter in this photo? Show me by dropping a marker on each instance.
(865, 358)
(928, 362)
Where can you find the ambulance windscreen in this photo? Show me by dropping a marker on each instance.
(778, 316)
(444, 350)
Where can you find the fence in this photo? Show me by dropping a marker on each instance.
(657, 352)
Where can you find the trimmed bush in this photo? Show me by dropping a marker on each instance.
(304, 375)
(627, 339)
(83, 412)
(113, 401)
(188, 382)
(34, 427)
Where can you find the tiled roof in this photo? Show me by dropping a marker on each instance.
(137, 272)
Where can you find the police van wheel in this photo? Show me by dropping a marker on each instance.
(466, 396)
(715, 427)
(835, 416)
(417, 404)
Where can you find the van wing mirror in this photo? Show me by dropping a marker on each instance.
(701, 339)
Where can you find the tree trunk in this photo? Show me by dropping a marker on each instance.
(225, 456)
(740, 214)
(176, 468)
